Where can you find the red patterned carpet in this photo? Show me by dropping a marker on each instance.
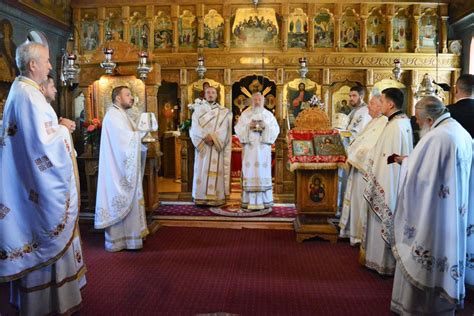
(189, 271)
(189, 209)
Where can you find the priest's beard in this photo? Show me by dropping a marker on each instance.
(425, 128)
(257, 109)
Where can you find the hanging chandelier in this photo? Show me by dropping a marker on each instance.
(397, 70)
(143, 67)
(108, 64)
(426, 88)
(69, 69)
(303, 67)
(201, 69)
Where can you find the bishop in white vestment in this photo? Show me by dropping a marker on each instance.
(211, 132)
(354, 211)
(257, 130)
(120, 206)
(430, 222)
(40, 250)
(382, 183)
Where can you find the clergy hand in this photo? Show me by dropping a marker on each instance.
(399, 159)
(70, 125)
(395, 158)
(208, 140)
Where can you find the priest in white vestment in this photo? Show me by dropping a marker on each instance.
(120, 205)
(359, 116)
(211, 132)
(354, 211)
(257, 130)
(40, 250)
(358, 119)
(382, 183)
(430, 222)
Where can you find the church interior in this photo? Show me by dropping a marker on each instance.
(303, 57)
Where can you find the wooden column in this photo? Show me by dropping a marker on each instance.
(284, 33)
(280, 104)
(416, 28)
(311, 10)
(76, 21)
(227, 33)
(325, 91)
(151, 92)
(200, 27)
(228, 88)
(101, 18)
(226, 13)
(388, 30)
(444, 34)
(187, 148)
(369, 82)
(89, 111)
(174, 21)
(337, 27)
(153, 162)
(126, 24)
(151, 27)
(363, 26)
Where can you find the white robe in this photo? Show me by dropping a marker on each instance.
(211, 181)
(381, 192)
(38, 205)
(120, 204)
(257, 158)
(358, 120)
(470, 229)
(354, 211)
(430, 221)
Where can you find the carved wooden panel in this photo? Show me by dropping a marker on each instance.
(170, 75)
(312, 119)
(343, 75)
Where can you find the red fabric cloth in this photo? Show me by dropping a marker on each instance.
(308, 135)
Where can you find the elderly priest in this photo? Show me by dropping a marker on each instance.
(40, 250)
(431, 218)
(257, 130)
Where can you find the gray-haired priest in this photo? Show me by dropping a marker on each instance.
(40, 250)
(257, 130)
(432, 217)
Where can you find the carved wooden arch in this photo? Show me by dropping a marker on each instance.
(323, 10)
(402, 11)
(312, 119)
(429, 11)
(376, 10)
(335, 86)
(352, 11)
(238, 76)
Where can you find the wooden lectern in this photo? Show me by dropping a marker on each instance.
(315, 152)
